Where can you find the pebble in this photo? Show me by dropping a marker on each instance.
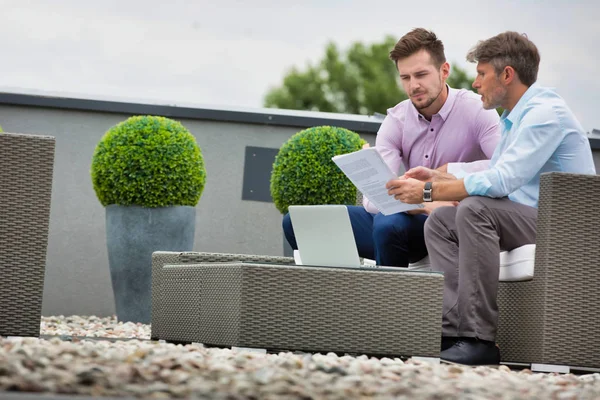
(144, 368)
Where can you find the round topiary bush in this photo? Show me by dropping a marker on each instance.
(304, 174)
(148, 161)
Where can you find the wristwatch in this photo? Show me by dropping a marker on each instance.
(427, 192)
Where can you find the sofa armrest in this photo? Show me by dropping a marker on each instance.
(554, 318)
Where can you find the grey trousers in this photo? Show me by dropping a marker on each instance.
(465, 242)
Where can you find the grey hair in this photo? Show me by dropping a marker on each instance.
(509, 49)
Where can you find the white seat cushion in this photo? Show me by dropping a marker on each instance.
(515, 265)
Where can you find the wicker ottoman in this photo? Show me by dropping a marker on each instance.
(373, 311)
(162, 258)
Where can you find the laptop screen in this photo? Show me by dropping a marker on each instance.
(324, 235)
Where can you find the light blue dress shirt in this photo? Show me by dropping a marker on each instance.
(539, 135)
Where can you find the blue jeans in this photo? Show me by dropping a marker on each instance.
(394, 240)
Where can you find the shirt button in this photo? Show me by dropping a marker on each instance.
(426, 156)
(431, 129)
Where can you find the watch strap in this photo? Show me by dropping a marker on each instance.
(427, 196)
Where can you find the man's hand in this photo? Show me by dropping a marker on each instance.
(366, 146)
(407, 190)
(410, 191)
(421, 173)
(428, 175)
(429, 207)
(443, 168)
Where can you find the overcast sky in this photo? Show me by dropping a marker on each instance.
(231, 53)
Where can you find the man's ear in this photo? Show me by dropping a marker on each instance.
(508, 75)
(445, 70)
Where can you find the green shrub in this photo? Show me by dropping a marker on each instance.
(1, 129)
(303, 172)
(150, 162)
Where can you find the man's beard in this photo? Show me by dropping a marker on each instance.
(429, 101)
(496, 101)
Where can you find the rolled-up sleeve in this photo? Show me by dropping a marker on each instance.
(460, 170)
(537, 136)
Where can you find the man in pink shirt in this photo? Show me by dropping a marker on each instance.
(438, 125)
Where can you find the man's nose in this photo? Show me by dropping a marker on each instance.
(414, 85)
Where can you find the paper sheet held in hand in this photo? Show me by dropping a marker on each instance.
(369, 173)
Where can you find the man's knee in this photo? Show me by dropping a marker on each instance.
(438, 217)
(471, 207)
(359, 216)
(385, 226)
(431, 224)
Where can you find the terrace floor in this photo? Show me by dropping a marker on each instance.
(118, 360)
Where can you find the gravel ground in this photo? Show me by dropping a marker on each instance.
(142, 368)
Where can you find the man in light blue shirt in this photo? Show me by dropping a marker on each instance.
(498, 205)
(540, 134)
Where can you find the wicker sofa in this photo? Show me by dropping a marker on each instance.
(555, 317)
(551, 319)
(26, 172)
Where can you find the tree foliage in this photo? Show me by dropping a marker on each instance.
(361, 80)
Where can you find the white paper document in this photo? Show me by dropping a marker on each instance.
(367, 170)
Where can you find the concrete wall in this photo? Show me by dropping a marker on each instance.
(77, 275)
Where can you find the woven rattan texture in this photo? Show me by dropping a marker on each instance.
(205, 306)
(566, 244)
(310, 309)
(521, 319)
(554, 319)
(161, 258)
(26, 169)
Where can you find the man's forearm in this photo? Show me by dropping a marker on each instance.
(443, 176)
(449, 190)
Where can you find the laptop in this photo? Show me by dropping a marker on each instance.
(325, 238)
(324, 235)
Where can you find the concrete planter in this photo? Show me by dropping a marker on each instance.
(133, 233)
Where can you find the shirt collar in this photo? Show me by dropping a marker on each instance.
(505, 120)
(446, 108)
(509, 118)
(448, 104)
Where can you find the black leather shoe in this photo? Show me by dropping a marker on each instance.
(448, 342)
(471, 351)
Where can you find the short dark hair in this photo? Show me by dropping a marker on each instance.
(416, 40)
(509, 49)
